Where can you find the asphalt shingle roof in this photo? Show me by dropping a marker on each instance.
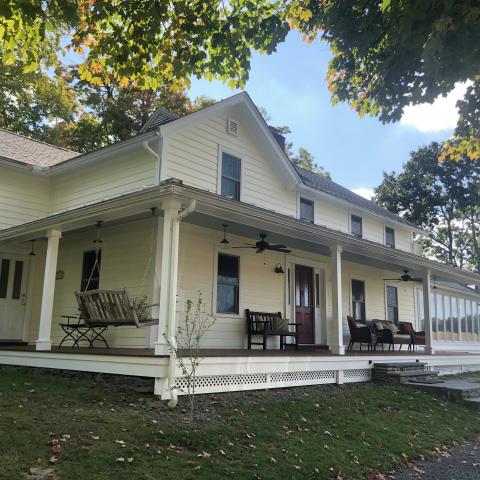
(31, 152)
(326, 185)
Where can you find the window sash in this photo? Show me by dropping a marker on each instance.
(392, 304)
(307, 210)
(389, 237)
(231, 176)
(358, 301)
(228, 286)
(90, 276)
(356, 225)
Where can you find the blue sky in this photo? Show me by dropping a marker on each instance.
(290, 85)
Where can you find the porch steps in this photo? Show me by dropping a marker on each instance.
(403, 372)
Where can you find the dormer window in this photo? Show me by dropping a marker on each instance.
(230, 176)
(356, 227)
(306, 210)
(390, 237)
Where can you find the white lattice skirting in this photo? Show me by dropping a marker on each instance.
(258, 381)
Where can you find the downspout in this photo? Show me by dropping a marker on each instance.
(151, 151)
(172, 359)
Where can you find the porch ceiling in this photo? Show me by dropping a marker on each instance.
(247, 220)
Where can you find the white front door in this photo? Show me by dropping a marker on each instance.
(13, 283)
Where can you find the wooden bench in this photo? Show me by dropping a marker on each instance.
(267, 324)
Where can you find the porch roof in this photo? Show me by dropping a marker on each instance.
(212, 210)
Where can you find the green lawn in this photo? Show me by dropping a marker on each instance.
(343, 433)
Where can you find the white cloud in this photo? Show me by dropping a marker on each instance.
(364, 192)
(440, 115)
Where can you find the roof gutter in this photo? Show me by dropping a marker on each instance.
(106, 152)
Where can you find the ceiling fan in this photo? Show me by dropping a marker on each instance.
(406, 277)
(263, 245)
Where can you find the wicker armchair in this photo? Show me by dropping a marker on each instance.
(360, 334)
(418, 338)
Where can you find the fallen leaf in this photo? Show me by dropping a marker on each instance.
(204, 455)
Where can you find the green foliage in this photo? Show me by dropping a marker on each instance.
(393, 53)
(302, 158)
(145, 44)
(59, 108)
(34, 103)
(443, 198)
(334, 432)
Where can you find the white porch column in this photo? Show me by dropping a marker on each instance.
(336, 336)
(44, 341)
(427, 311)
(168, 276)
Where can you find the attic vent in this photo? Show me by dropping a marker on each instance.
(232, 126)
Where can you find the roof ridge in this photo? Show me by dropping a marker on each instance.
(38, 141)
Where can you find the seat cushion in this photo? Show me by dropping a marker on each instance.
(406, 327)
(353, 323)
(280, 325)
(401, 338)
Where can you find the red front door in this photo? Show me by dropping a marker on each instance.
(304, 313)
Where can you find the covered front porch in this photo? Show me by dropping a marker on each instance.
(173, 254)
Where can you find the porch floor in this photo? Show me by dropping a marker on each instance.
(223, 352)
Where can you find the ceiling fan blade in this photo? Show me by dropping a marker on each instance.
(246, 246)
(393, 279)
(283, 250)
(277, 246)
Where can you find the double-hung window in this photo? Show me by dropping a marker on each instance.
(230, 176)
(356, 227)
(228, 283)
(358, 301)
(392, 304)
(91, 270)
(389, 237)
(306, 210)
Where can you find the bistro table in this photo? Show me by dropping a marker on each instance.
(76, 331)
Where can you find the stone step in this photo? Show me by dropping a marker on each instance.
(454, 390)
(473, 402)
(407, 373)
(397, 368)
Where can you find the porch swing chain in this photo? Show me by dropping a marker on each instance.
(150, 256)
(98, 241)
(96, 265)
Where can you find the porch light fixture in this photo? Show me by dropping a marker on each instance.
(98, 239)
(278, 268)
(225, 241)
(32, 253)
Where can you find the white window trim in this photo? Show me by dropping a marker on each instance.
(221, 151)
(240, 314)
(385, 236)
(350, 213)
(311, 199)
(350, 299)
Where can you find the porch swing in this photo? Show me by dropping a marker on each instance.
(115, 307)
